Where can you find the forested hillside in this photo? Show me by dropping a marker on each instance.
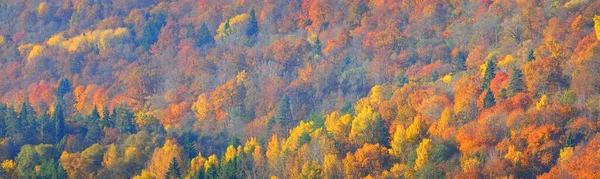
(299, 89)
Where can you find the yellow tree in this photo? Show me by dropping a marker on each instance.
(332, 167)
(338, 126)
(162, 157)
(368, 127)
(274, 157)
(111, 157)
(370, 159)
(423, 153)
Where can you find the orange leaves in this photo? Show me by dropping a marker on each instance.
(90, 96)
(287, 51)
(542, 75)
(581, 164)
(41, 95)
(370, 159)
(174, 113)
(319, 14)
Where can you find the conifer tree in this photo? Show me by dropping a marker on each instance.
(459, 61)
(58, 119)
(401, 80)
(284, 113)
(252, 29)
(515, 84)
(94, 132)
(317, 47)
(205, 37)
(490, 68)
(530, 56)
(488, 100)
(174, 172)
(434, 76)
(63, 87)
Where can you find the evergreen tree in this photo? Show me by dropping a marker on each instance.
(2, 120)
(205, 37)
(252, 29)
(434, 76)
(63, 88)
(381, 132)
(488, 100)
(124, 120)
(459, 61)
(107, 120)
(530, 56)
(229, 170)
(515, 84)
(46, 129)
(401, 80)
(51, 169)
(284, 112)
(94, 132)
(58, 119)
(317, 47)
(28, 120)
(200, 174)
(211, 172)
(226, 27)
(188, 139)
(174, 172)
(152, 30)
(14, 126)
(489, 74)
(304, 138)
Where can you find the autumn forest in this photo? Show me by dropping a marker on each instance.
(205, 89)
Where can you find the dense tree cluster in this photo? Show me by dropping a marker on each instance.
(299, 89)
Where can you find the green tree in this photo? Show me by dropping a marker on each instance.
(2, 120)
(317, 47)
(252, 29)
(489, 74)
(107, 120)
(14, 126)
(58, 119)
(458, 63)
(28, 120)
(151, 30)
(63, 87)
(284, 112)
(51, 169)
(200, 173)
(205, 37)
(174, 172)
(46, 129)
(569, 98)
(488, 100)
(94, 132)
(211, 172)
(515, 84)
(226, 27)
(381, 131)
(124, 120)
(188, 140)
(530, 56)
(434, 76)
(401, 80)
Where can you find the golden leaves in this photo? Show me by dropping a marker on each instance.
(597, 26)
(423, 153)
(100, 39)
